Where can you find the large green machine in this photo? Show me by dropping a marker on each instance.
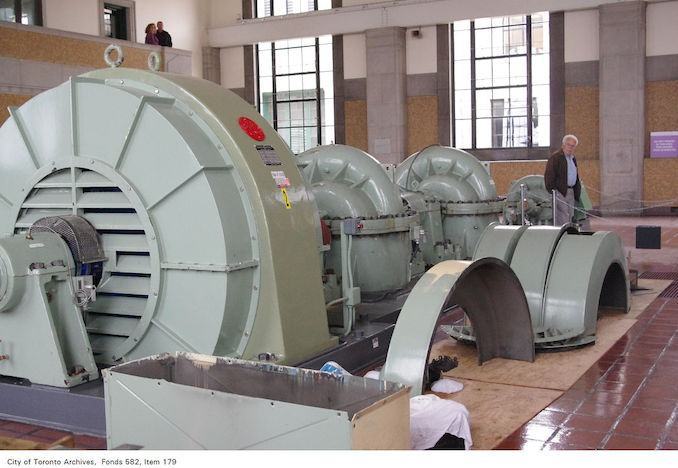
(144, 213)
(204, 221)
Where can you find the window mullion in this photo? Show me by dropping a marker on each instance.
(473, 85)
(317, 89)
(528, 38)
(274, 96)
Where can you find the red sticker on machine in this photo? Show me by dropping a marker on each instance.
(251, 128)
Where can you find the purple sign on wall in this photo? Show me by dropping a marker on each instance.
(664, 144)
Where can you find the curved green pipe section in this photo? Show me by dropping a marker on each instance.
(500, 315)
(356, 169)
(462, 170)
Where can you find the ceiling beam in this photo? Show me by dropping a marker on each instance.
(360, 18)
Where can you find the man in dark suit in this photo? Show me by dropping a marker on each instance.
(562, 176)
(163, 36)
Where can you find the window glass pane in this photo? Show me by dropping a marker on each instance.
(266, 85)
(327, 85)
(309, 86)
(518, 73)
(541, 130)
(282, 87)
(540, 38)
(483, 73)
(7, 10)
(294, 43)
(282, 64)
(514, 40)
(483, 42)
(483, 23)
(327, 39)
(296, 86)
(328, 135)
(462, 44)
(283, 114)
(325, 56)
(540, 69)
(30, 13)
(310, 137)
(310, 113)
(464, 25)
(499, 41)
(462, 104)
(266, 106)
(265, 63)
(295, 60)
(500, 72)
(541, 99)
(308, 54)
(284, 132)
(263, 8)
(264, 46)
(462, 74)
(518, 99)
(324, 4)
(279, 8)
(296, 113)
(327, 108)
(463, 134)
(484, 133)
(483, 107)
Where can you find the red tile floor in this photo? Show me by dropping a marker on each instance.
(627, 400)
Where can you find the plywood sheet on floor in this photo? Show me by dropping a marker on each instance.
(551, 370)
(497, 410)
(556, 371)
(503, 394)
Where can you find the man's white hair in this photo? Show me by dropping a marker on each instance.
(568, 137)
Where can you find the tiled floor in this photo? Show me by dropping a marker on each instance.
(16, 430)
(627, 400)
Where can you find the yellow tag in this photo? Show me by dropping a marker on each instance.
(287, 200)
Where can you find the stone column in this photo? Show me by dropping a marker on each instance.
(211, 64)
(622, 106)
(386, 94)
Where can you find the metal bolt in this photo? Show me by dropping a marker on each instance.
(255, 288)
(156, 91)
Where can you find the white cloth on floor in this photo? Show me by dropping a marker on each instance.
(446, 386)
(373, 374)
(431, 417)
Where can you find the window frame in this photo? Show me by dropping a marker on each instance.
(39, 12)
(528, 86)
(131, 18)
(318, 96)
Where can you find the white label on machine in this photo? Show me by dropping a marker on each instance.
(268, 155)
(36, 245)
(280, 179)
